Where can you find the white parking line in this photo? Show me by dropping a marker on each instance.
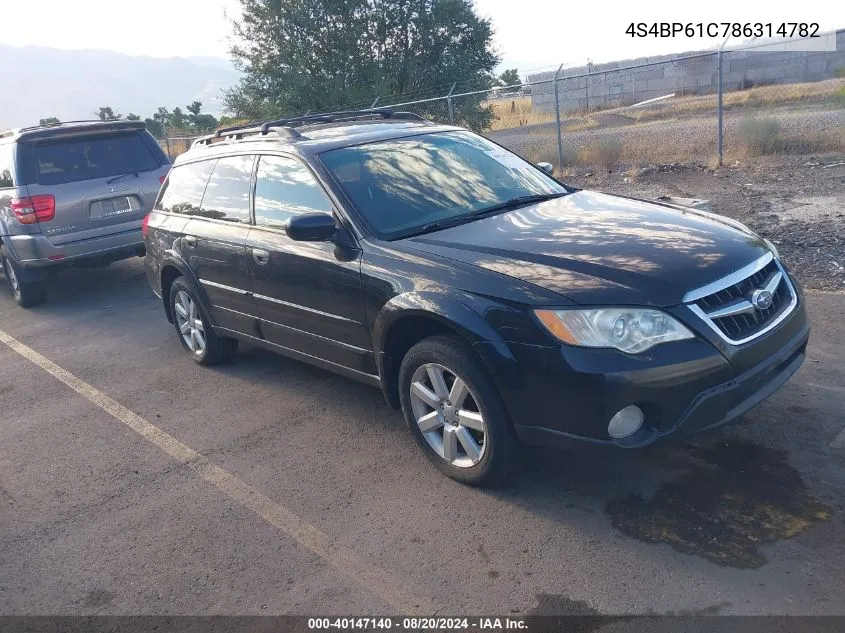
(372, 577)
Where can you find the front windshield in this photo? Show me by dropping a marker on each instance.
(409, 185)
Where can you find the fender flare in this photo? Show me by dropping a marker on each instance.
(174, 259)
(446, 310)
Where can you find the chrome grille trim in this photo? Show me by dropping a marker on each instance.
(730, 280)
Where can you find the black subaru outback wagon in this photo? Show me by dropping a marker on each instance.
(489, 301)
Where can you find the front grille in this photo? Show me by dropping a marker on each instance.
(732, 312)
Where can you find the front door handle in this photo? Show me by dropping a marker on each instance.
(189, 240)
(261, 257)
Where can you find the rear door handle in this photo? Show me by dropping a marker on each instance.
(261, 257)
(190, 240)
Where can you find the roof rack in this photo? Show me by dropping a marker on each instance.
(284, 128)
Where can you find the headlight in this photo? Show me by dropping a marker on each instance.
(772, 247)
(632, 330)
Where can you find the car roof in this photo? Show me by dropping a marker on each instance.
(312, 139)
(68, 128)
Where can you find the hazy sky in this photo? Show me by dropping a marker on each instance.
(529, 33)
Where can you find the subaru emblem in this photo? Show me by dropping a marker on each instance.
(111, 188)
(761, 299)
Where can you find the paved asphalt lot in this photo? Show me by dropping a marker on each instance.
(276, 488)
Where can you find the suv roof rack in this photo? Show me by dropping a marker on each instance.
(285, 128)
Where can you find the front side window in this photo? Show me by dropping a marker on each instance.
(284, 188)
(227, 194)
(185, 186)
(410, 185)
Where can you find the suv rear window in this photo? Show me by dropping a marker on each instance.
(94, 156)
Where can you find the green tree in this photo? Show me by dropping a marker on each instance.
(200, 122)
(107, 114)
(300, 55)
(177, 119)
(510, 78)
(155, 127)
(50, 120)
(132, 117)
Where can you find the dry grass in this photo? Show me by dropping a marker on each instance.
(757, 97)
(517, 112)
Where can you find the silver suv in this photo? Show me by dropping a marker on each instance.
(73, 194)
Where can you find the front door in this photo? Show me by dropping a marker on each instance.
(308, 294)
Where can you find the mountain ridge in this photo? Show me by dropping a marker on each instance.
(40, 82)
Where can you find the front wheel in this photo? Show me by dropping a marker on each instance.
(192, 326)
(455, 411)
(25, 294)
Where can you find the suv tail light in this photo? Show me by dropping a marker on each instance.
(34, 209)
(161, 179)
(145, 226)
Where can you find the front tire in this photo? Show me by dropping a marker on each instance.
(193, 327)
(25, 294)
(455, 412)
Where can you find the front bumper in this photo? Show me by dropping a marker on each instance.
(558, 394)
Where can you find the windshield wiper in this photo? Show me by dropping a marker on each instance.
(507, 205)
(116, 178)
(513, 203)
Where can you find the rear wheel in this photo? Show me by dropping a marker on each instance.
(25, 294)
(192, 326)
(455, 412)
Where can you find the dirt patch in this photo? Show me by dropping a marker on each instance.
(737, 497)
(798, 202)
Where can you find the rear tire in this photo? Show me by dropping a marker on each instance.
(193, 327)
(455, 412)
(25, 294)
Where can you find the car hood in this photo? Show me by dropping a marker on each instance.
(600, 249)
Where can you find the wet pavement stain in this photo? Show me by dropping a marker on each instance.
(736, 497)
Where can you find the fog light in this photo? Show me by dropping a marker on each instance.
(626, 422)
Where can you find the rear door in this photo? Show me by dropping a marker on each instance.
(308, 294)
(103, 183)
(214, 243)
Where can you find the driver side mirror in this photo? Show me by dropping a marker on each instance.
(311, 227)
(548, 168)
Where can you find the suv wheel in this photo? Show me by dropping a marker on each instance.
(24, 294)
(455, 412)
(193, 328)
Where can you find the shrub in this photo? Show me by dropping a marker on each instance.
(604, 152)
(761, 136)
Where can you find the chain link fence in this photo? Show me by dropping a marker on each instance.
(708, 107)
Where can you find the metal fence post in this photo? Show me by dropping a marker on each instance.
(449, 103)
(719, 109)
(557, 118)
(167, 143)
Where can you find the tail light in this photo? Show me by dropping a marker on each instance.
(145, 226)
(34, 209)
(161, 179)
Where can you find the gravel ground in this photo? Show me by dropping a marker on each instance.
(798, 202)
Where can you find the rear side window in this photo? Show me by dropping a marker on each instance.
(94, 156)
(6, 166)
(185, 186)
(227, 194)
(284, 188)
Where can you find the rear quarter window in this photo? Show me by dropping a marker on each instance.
(184, 188)
(7, 166)
(94, 156)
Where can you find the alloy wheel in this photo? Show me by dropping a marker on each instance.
(448, 415)
(189, 322)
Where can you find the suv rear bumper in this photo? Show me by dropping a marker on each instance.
(36, 251)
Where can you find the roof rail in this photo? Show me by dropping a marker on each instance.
(236, 133)
(344, 115)
(284, 128)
